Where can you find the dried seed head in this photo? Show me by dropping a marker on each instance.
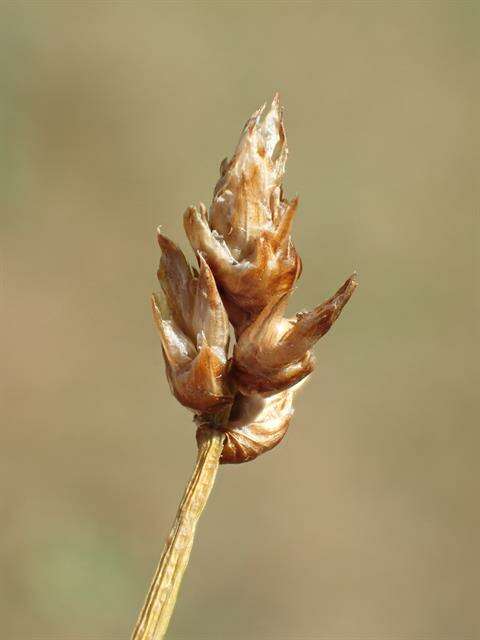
(246, 235)
(247, 268)
(194, 331)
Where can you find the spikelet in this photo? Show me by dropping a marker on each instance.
(273, 353)
(194, 331)
(247, 270)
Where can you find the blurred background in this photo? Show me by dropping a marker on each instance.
(364, 523)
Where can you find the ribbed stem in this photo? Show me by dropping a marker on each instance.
(154, 618)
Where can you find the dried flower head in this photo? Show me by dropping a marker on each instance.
(248, 267)
(246, 271)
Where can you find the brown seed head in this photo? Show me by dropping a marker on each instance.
(247, 268)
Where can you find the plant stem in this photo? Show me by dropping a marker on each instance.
(157, 610)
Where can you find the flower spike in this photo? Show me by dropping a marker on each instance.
(247, 270)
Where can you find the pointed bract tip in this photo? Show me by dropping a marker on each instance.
(352, 282)
(276, 105)
(165, 243)
(277, 109)
(343, 295)
(254, 119)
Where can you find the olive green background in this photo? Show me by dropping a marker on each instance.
(364, 523)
